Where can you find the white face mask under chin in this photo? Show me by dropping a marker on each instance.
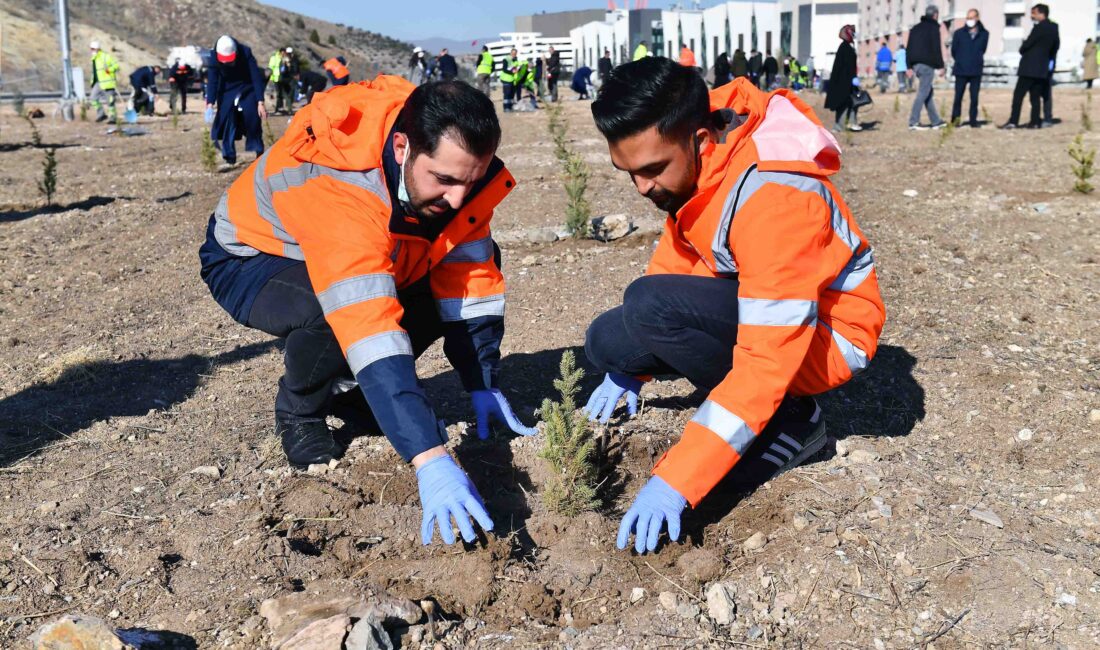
(402, 190)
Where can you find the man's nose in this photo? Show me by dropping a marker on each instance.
(644, 185)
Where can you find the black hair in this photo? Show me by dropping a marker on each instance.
(1043, 9)
(652, 91)
(451, 108)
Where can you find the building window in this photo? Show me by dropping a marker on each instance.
(1014, 20)
(768, 42)
(785, 32)
(741, 42)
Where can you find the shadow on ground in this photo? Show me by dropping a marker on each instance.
(99, 390)
(8, 216)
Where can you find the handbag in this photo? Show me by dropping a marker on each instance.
(860, 98)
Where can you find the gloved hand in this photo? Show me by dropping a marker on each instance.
(208, 115)
(605, 398)
(445, 492)
(491, 404)
(655, 503)
(855, 81)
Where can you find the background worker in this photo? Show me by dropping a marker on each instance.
(179, 79)
(104, 82)
(448, 67)
(235, 96)
(509, 67)
(361, 238)
(337, 70)
(968, 51)
(143, 88)
(553, 72)
(285, 86)
(311, 83)
(762, 289)
(484, 69)
(274, 76)
(641, 52)
(925, 57)
(1038, 53)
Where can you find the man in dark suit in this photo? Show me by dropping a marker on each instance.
(1039, 51)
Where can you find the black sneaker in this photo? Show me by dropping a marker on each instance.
(352, 408)
(794, 434)
(307, 442)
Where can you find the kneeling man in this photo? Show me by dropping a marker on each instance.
(361, 237)
(762, 289)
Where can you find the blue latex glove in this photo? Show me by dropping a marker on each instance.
(208, 115)
(855, 81)
(445, 492)
(605, 398)
(656, 503)
(492, 405)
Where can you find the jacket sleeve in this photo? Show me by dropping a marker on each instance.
(671, 256)
(786, 251)
(1029, 42)
(256, 76)
(213, 78)
(983, 43)
(468, 287)
(347, 254)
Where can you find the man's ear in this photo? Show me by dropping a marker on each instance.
(400, 147)
(704, 139)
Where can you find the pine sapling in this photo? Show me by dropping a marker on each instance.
(209, 153)
(83, 111)
(569, 447)
(986, 117)
(577, 210)
(36, 137)
(897, 104)
(269, 135)
(948, 130)
(18, 102)
(175, 120)
(1086, 119)
(48, 185)
(1083, 160)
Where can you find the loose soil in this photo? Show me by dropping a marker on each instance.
(119, 376)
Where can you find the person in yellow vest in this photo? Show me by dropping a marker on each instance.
(104, 82)
(274, 65)
(484, 69)
(641, 52)
(508, 78)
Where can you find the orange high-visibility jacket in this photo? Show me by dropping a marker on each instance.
(321, 195)
(338, 70)
(809, 309)
(687, 57)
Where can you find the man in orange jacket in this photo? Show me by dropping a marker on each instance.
(337, 70)
(762, 289)
(361, 237)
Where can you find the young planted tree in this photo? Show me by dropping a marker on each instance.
(986, 117)
(48, 185)
(947, 131)
(209, 155)
(1086, 119)
(897, 104)
(1082, 166)
(83, 111)
(569, 447)
(575, 172)
(269, 135)
(36, 137)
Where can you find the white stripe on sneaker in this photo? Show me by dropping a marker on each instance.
(772, 459)
(790, 442)
(779, 449)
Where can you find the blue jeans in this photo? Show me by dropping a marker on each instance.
(669, 325)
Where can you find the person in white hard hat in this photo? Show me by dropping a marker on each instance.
(104, 82)
(236, 87)
(418, 66)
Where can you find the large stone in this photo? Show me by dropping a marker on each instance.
(325, 634)
(611, 227)
(720, 604)
(368, 634)
(288, 614)
(76, 632)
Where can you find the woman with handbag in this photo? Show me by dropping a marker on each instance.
(844, 95)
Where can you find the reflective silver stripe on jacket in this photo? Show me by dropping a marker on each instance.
(455, 309)
(479, 250)
(360, 288)
(225, 231)
(854, 272)
(855, 358)
(725, 425)
(366, 351)
(720, 247)
(759, 311)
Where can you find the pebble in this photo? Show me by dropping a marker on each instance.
(637, 594)
(317, 468)
(687, 610)
(1094, 416)
(863, 456)
(720, 604)
(800, 522)
(1024, 435)
(911, 193)
(987, 516)
(1041, 208)
(1067, 599)
(668, 600)
(755, 542)
(528, 261)
(843, 447)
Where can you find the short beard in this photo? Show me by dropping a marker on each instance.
(419, 208)
(667, 201)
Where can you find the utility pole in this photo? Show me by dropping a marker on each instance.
(66, 60)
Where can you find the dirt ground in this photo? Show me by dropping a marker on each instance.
(958, 509)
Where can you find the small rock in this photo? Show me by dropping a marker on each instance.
(755, 632)
(668, 600)
(368, 634)
(1041, 208)
(528, 261)
(987, 516)
(831, 540)
(1024, 435)
(1068, 600)
(113, 614)
(325, 634)
(637, 594)
(48, 506)
(567, 633)
(74, 631)
(611, 227)
(1015, 348)
(720, 604)
(863, 456)
(1094, 416)
(209, 471)
(317, 468)
(755, 542)
(843, 447)
(541, 235)
(570, 258)
(687, 610)
(800, 522)
(470, 624)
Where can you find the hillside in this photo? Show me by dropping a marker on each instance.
(140, 32)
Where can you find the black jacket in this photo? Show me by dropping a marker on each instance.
(756, 63)
(143, 77)
(771, 66)
(1038, 50)
(553, 65)
(924, 44)
(968, 51)
(448, 67)
(840, 81)
(604, 66)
